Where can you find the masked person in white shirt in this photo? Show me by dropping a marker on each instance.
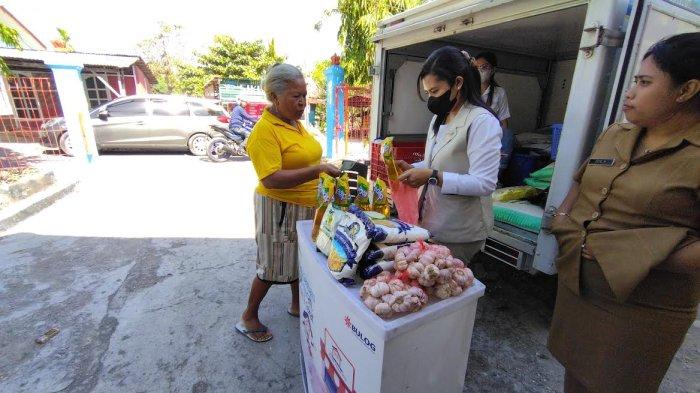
(462, 155)
(495, 97)
(491, 92)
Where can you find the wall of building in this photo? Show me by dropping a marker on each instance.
(143, 86)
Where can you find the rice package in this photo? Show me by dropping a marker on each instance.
(324, 196)
(394, 231)
(352, 238)
(379, 251)
(326, 231)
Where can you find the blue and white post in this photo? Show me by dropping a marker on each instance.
(74, 104)
(335, 75)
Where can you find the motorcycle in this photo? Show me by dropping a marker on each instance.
(221, 148)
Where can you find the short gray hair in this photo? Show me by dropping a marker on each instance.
(278, 78)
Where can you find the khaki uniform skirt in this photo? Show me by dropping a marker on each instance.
(609, 346)
(276, 237)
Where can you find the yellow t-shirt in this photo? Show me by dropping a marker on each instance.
(274, 145)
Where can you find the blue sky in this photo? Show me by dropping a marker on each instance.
(117, 26)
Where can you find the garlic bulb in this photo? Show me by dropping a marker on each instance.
(400, 264)
(444, 276)
(431, 271)
(371, 302)
(443, 291)
(413, 271)
(396, 285)
(383, 310)
(379, 289)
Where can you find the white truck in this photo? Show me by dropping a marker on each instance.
(560, 61)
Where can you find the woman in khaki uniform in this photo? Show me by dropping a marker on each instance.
(629, 255)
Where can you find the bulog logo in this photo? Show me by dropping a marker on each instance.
(360, 336)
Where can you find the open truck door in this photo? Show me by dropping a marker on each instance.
(648, 21)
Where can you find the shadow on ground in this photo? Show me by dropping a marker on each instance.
(138, 315)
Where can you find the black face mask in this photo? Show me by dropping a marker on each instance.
(441, 105)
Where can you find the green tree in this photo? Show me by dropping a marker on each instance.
(10, 37)
(160, 52)
(358, 24)
(231, 59)
(190, 79)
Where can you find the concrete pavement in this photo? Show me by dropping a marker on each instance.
(146, 267)
(145, 270)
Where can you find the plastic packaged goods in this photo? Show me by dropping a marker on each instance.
(363, 194)
(352, 238)
(514, 193)
(392, 231)
(324, 197)
(342, 192)
(406, 199)
(380, 198)
(374, 269)
(326, 231)
(388, 157)
(381, 251)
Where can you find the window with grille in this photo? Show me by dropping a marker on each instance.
(97, 92)
(24, 96)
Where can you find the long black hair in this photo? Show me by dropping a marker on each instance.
(490, 57)
(447, 63)
(679, 57)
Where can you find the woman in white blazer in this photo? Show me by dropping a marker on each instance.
(462, 155)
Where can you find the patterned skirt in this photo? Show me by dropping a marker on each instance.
(276, 236)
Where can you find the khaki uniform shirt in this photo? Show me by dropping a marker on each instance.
(632, 213)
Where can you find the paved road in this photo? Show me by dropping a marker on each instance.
(146, 268)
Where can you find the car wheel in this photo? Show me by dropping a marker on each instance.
(198, 144)
(65, 144)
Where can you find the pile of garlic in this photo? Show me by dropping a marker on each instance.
(434, 268)
(386, 295)
(421, 270)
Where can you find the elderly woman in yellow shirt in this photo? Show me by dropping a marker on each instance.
(287, 160)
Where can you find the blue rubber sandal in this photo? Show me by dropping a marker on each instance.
(249, 333)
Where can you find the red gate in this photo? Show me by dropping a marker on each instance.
(26, 131)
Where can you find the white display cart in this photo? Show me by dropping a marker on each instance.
(347, 348)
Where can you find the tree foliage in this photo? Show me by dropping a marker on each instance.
(226, 58)
(358, 24)
(10, 37)
(231, 59)
(160, 52)
(191, 79)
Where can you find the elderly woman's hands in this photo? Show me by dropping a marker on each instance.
(329, 169)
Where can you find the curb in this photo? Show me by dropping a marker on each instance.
(34, 204)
